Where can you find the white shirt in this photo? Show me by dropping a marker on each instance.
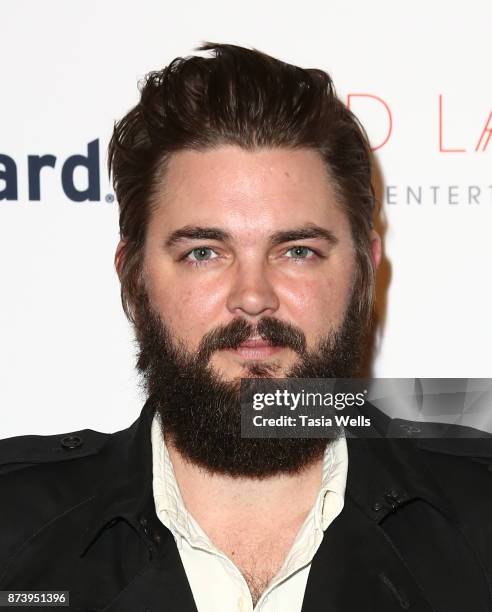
(216, 582)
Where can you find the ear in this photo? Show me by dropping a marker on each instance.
(119, 256)
(376, 249)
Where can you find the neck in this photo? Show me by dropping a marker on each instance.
(226, 499)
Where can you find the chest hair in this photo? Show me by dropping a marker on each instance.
(258, 558)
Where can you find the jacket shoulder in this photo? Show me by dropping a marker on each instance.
(42, 478)
(21, 452)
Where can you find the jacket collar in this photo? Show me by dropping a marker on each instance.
(125, 489)
(387, 471)
(383, 474)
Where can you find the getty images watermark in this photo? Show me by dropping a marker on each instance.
(383, 407)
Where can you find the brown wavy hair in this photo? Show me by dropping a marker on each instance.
(243, 97)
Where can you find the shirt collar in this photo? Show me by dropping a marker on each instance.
(169, 502)
(382, 475)
(333, 483)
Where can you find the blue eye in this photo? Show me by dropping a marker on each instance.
(200, 255)
(300, 252)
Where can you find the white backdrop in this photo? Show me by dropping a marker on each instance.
(69, 69)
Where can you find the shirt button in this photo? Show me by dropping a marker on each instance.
(243, 603)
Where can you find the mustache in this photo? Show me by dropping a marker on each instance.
(233, 334)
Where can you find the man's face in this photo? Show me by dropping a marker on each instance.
(243, 245)
(227, 241)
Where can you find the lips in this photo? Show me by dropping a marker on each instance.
(255, 343)
(255, 348)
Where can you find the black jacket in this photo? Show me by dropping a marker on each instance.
(77, 514)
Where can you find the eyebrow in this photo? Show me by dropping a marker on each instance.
(195, 232)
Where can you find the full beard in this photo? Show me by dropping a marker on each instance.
(201, 412)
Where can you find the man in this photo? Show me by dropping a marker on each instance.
(247, 251)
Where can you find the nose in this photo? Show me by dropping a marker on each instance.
(252, 293)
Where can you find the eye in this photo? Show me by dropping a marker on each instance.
(301, 252)
(199, 256)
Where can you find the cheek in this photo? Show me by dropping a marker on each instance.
(187, 307)
(322, 302)
(335, 296)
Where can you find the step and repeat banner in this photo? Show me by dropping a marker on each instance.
(417, 78)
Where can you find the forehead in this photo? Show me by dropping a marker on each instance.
(252, 190)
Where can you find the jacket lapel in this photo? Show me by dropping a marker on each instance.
(356, 568)
(162, 585)
(357, 565)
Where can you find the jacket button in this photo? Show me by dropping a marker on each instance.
(71, 442)
(393, 499)
(143, 522)
(377, 507)
(410, 429)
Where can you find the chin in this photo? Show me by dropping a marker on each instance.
(248, 369)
